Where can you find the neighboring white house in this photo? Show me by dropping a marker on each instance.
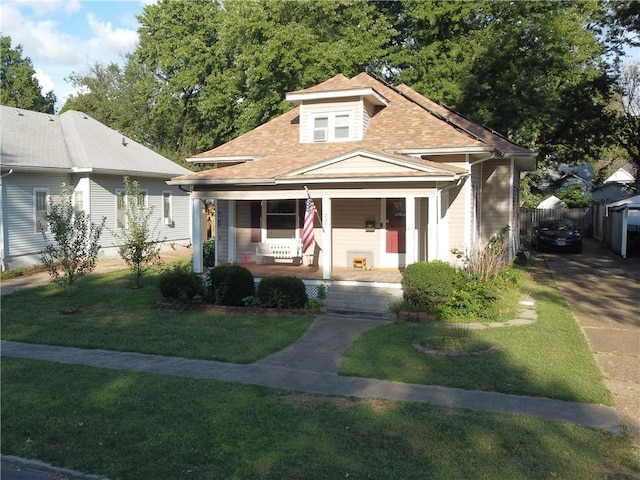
(40, 152)
(552, 202)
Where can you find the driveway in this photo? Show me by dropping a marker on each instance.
(603, 292)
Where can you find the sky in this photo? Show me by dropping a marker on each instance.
(66, 36)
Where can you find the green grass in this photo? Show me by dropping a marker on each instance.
(550, 358)
(114, 316)
(129, 425)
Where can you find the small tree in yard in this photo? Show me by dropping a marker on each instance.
(74, 249)
(140, 243)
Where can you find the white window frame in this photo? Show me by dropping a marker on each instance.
(36, 218)
(168, 215)
(265, 224)
(118, 192)
(329, 132)
(78, 201)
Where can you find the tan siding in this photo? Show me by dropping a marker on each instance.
(495, 198)
(458, 199)
(360, 165)
(243, 231)
(349, 216)
(369, 112)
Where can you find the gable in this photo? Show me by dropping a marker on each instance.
(369, 164)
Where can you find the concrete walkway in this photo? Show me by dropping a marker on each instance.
(310, 365)
(603, 292)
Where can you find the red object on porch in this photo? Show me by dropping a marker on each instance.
(308, 235)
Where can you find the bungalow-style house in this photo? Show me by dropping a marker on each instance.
(40, 152)
(394, 177)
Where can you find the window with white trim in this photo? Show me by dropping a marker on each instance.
(78, 201)
(40, 209)
(121, 206)
(167, 206)
(331, 127)
(282, 218)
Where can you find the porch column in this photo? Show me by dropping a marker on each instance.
(196, 233)
(432, 228)
(327, 241)
(411, 231)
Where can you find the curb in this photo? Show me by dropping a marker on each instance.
(36, 466)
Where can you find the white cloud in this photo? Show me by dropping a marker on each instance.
(45, 81)
(108, 42)
(41, 40)
(43, 7)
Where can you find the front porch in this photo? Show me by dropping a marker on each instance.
(339, 274)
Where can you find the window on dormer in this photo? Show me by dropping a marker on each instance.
(331, 127)
(321, 129)
(342, 127)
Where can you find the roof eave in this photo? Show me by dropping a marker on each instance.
(367, 92)
(226, 182)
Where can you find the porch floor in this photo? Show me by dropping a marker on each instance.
(378, 275)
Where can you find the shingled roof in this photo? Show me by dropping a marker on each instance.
(73, 141)
(408, 121)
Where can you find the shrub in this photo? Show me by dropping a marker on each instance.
(209, 252)
(471, 300)
(180, 283)
(282, 292)
(229, 284)
(429, 284)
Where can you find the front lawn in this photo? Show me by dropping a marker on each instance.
(113, 316)
(549, 358)
(128, 425)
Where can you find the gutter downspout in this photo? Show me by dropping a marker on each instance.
(2, 265)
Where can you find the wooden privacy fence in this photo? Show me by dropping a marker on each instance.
(529, 218)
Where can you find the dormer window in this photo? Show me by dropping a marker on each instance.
(331, 127)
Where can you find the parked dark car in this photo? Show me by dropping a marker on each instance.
(556, 235)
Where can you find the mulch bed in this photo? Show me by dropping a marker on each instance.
(203, 307)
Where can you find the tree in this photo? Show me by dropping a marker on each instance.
(73, 251)
(140, 245)
(18, 85)
(532, 71)
(627, 111)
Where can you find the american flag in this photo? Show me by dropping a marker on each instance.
(308, 236)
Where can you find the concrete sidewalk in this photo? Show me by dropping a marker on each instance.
(603, 293)
(307, 366)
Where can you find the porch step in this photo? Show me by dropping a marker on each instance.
(357, 299)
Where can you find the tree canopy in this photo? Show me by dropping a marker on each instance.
(542, 73)
(18, 85)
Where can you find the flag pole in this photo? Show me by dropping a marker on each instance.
(316, 216)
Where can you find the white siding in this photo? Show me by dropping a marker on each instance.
(311, 109)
